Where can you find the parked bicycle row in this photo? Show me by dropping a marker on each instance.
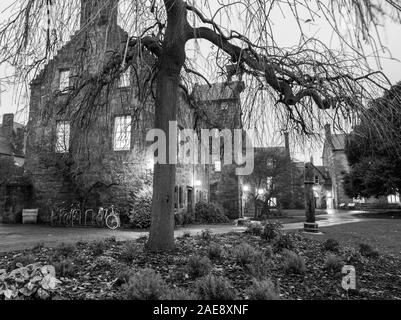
(75, 216)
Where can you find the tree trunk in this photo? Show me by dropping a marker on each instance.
(162, 227)
(170, 64)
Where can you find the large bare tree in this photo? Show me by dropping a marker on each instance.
(307, 84)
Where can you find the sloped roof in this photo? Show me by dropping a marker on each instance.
(218, 91)
(339, 141)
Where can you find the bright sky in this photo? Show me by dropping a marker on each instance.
(12, 102)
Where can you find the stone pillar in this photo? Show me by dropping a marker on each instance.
(310, 225)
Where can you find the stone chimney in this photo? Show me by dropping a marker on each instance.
(8, 125)
(329, 137)
(101, 12)
(287, 143)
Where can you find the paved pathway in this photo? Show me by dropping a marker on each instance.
(17, 237)
(333, 218)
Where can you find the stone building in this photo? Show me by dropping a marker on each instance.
(12, 140)
(277, 178)
(335, 159)
(15, 191)
(336, 162)
(100, 158)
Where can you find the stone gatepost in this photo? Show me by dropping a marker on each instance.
(310, 225)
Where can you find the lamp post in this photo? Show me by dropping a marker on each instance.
(310, 225)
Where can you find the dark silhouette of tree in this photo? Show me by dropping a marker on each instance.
(376, 160)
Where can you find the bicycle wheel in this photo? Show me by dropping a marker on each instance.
(112, 222)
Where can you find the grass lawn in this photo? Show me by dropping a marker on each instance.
(295, 216)
(384, 235)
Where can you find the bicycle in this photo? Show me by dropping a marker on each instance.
(71, 216)
(57, 214)
(112, 219)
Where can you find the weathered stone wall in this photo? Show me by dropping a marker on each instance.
(219, 107)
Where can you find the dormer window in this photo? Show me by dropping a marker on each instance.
(64, 79)
(125, 79)
(224, 106)
(217, 166)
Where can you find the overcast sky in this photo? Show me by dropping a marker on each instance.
(285, 36)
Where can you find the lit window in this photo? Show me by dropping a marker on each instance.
(395, 198)
(224, 106)
(269, 182)
(125, 79)
(64, 79)
(273, 202)
(217, 166)
(63, 137)
(122, 133)
(270, 163)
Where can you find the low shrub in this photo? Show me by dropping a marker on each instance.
(268, 252)
(259, 267)
(333, 263)
(105, 262)
(331, 245)
(97, 247)
(186, 234)
(38, 247)
(263, 290)
(215, 251)
(129, 252)
(123, 274)
(141, 213)
(144, 285)
(22, 261)
(214, 288)
(282, 242)
(65, 250)
(367, 251)
(244, 254)
(183, 218)
(352, 256)
(293, 263)
(210, 213)
(254, 229)
(199, 266)
(34, 281)
(271, 230)
(64, 268)
(111, 240)
(206, 235)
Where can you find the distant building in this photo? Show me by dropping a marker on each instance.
(12, 140)
(336, 162)
(14, 189)
(104, 162)
(277, 182)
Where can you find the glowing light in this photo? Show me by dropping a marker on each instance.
(261, 192)
(198, 183)
(150, 165)
(246, 188)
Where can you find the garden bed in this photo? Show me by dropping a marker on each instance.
(101, 270)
